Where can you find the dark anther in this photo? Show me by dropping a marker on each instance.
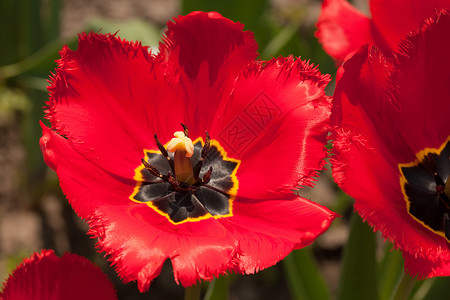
(154, 171)
(207, 176)
(164, 152)
(205, 148)
(185, 129)
(203, 155)
(430, 165)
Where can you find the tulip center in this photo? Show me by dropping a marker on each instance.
(426, 188)
(186, 180)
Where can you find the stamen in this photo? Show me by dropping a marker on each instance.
(441, 187)
(186, 130)
(164, 152)
(207, 176)
(205, 148)
(154, 171)
(204, 153)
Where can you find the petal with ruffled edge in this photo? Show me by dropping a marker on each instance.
(298, 223)
(421, 83)
(45, 276)
(375, 137)
(428, 268)
(207, 51)
(342, 29)
(363, 82)
(392, 20)
(276, 122)
(105, 96)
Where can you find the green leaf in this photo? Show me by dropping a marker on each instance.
(52, 20)
(405, 288)
(9, 26)
(390, 271)
(358, 278)
(303, 277)
(279, 41)
(248, 12)
(30, 30)
(217, 289)
(40, 62)
(439, 288)
(131, 30)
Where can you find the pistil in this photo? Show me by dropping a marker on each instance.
(184, 149)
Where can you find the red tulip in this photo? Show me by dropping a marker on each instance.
(222, 201)
(392, 143)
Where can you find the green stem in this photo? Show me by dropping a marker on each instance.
(193, 292)
(404, 288)
(217, 289)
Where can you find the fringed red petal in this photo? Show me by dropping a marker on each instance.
(206, 51)
(427, 267)
(299, 223)
(104, 98)
(363, 85)
(422, 81)
(45, 276)
(342, 29)
(140, 241)
(393, 20)
(278, 114)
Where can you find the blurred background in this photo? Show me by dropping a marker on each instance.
(34, 213)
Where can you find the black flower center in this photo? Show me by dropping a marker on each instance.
(209, 194)
(426, 187)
